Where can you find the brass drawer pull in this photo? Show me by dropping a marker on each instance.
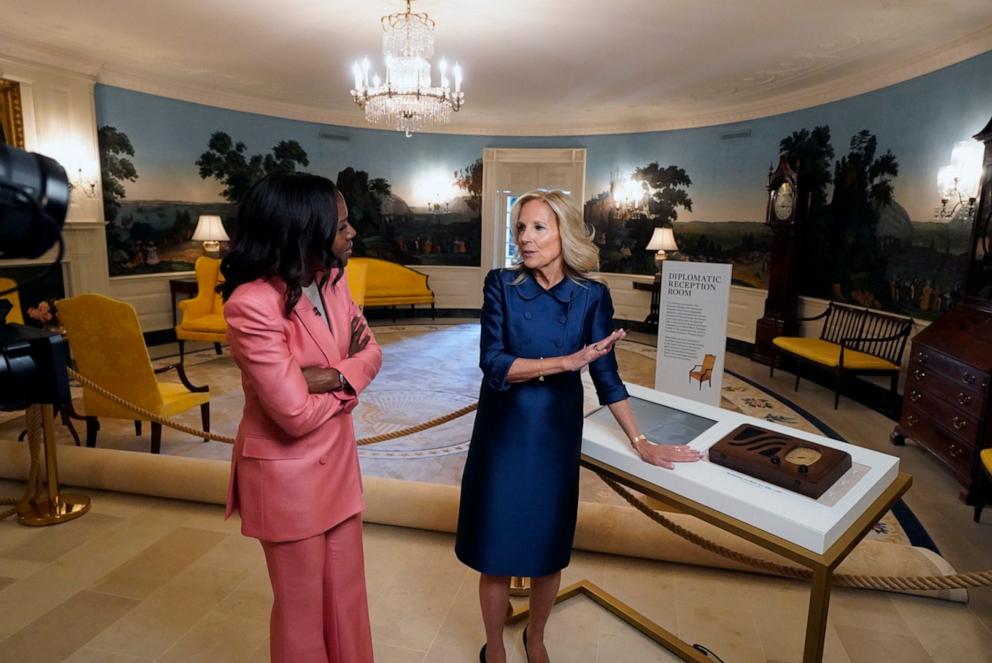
(955, 451)
(922, 356)
(915, 395)
(968, 378)
(959, 423)
(912, 420)
(964, 399)
(918, 374)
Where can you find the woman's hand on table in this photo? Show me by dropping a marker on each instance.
(665, 455)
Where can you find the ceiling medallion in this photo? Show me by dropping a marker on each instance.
(406, 98)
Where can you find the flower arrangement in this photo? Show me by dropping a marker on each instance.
(44, 315)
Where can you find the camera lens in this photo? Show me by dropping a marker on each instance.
(30, 183)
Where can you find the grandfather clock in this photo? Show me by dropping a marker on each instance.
(978, 282)
(786, 214)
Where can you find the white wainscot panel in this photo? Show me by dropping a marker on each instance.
(149, 294)
(454, 287)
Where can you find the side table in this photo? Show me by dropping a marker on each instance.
(654, 288)
(186, 286)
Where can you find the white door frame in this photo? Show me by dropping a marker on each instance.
(513, 171)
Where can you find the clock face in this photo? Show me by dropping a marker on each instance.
(784, 201)
(802, 456)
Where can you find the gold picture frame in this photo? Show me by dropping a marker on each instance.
(11, 114)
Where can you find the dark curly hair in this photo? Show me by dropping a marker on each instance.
(285, 226)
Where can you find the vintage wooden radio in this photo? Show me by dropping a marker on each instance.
(789, 462)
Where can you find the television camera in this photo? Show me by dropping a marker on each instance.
(34, 199)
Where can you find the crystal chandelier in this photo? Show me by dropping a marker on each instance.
(406, 98)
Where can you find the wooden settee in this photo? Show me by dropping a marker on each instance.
(854, 341)
(391, 284)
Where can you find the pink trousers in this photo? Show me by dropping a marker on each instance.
(320, 613)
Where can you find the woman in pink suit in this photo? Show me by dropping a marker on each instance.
(305, 355)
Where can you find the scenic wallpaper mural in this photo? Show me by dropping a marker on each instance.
(873, 236)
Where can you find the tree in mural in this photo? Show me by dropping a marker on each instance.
(667, 188)
(811, 153)
(115, 168)
(862, 186)
(227, 162)
(843, 257)
(469, 179)
(365, 196)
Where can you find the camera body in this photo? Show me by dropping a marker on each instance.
(32, 367)
(34, 199)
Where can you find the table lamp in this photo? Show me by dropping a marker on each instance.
(210, 231)
(662, 240)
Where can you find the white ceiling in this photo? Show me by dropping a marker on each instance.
(532, 67)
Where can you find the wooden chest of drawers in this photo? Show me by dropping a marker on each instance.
(946, 404)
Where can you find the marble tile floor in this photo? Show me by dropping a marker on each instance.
(143, 579)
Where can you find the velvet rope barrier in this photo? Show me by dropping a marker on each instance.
(891, 583)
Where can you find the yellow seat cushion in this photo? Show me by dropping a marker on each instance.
(828, 354)
(212, 322)
(986, 456)
(176, 398)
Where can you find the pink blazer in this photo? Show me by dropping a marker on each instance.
(294, 471)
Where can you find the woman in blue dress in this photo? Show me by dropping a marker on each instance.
(543, 321)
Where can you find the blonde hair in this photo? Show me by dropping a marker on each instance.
(579, 254)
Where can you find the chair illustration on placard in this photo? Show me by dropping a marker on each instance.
(703, 372)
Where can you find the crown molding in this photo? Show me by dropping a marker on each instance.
(31, 54)
(881, 76)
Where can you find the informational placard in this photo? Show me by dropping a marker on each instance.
(692, 329)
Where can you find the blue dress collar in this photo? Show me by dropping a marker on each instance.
(564, 291)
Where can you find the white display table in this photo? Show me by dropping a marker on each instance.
(813, 524)
(816, 534)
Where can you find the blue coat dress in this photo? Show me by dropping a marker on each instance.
(520, 488)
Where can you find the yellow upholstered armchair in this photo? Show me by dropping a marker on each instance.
(703, 372)
(15, 315)
(107, 347)
(203, 315)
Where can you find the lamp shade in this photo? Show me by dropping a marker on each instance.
(663, 239)
(210, 229)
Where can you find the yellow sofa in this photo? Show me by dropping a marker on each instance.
(853, 341)
(357, 274)
(391, 284)
(203, 315)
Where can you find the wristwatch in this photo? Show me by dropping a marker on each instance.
(342, 380)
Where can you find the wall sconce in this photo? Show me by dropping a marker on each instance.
(662, 241)
(82, 184)
(210, 231)
(957, 182)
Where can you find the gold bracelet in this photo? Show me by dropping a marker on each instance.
(638, 438)
(540, 374)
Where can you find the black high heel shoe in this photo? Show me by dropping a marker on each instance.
(482, 654)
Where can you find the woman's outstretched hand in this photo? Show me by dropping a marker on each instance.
(579, 360)
(665, 455)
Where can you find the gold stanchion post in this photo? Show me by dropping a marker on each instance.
(55, 507)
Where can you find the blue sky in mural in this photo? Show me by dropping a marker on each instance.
(919, 120)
